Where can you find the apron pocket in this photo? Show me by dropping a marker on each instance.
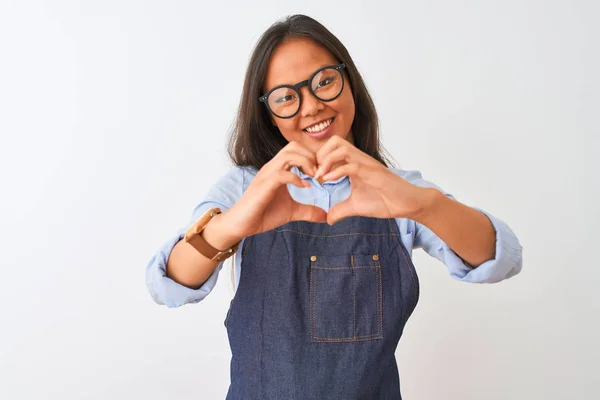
(345, 298)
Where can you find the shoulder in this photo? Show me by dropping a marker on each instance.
(235, 179)
(227, 189)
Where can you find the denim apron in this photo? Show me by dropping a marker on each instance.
(319, 311)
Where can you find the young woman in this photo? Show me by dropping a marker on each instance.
(322, 228)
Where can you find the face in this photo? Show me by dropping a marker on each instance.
(294, 61)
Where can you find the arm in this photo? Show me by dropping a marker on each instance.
(380, 192)
(451, 232)
(170, 275)
(178, 274)
(468, 232)
(187, 266)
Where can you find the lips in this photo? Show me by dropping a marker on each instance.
(319, 126)
(321, 130)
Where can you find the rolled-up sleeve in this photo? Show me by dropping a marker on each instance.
(163, 289)
(506, 263)
(508, 259)
(166, 291)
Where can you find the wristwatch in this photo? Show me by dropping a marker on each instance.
(193, 236)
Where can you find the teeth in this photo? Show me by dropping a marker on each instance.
(319, 127)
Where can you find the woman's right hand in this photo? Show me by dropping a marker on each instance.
(267, 204)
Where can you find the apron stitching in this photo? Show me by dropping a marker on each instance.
(361, 338)
(354, 295)
(380, 304)
(362, 266)
(314, 315)
(338, 235)
(312, 272)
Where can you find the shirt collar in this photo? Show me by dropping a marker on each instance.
(302, 175)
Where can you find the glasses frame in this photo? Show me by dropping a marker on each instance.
(299, 85)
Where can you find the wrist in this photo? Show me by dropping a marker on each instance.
(219, 232)
(429, 201)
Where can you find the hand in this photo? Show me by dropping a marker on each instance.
(375, 190)
(267, 203)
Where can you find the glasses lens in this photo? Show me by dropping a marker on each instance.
(284, 102)
(327, 84)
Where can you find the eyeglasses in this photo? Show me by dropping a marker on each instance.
(326, 84)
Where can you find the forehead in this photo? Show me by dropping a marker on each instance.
(294, 61)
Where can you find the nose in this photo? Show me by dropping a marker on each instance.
(310, 104)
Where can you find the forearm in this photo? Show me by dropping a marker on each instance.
(187, 266)
(468, 232)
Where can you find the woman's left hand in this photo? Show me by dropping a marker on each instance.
(375, 190)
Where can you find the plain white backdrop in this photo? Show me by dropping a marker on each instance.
(113, 120)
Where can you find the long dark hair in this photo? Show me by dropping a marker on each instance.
(254, 140)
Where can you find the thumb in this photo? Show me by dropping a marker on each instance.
(340, 211)
(305, 212)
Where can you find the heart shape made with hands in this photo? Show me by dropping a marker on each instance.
(376, 191)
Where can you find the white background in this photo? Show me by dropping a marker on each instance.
(114, 118)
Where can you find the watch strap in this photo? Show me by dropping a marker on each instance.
(194, 237)
(204, 248)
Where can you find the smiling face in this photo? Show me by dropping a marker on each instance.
(294, 61)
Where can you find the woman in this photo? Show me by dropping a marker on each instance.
(323, 230)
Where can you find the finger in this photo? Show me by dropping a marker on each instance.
(339, 155)
(343, 170)
(340, 211)
(288, 177)
(296, 147)
(305, 212)
(330, 145)
(290, 159)
(333, 144)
